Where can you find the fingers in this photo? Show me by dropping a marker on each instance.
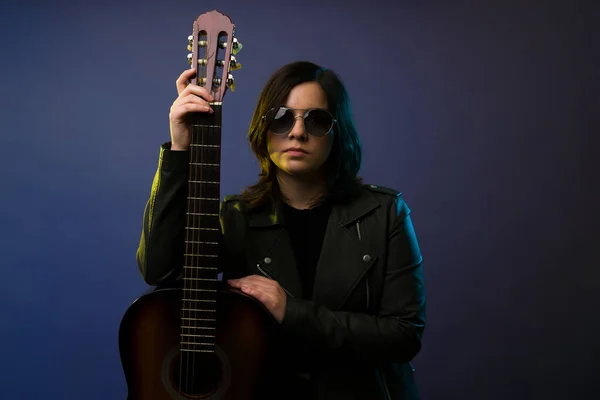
(183, 79)
(256, 280)
(257, 284)
(265, 290)
(191, 102)
(183, 88)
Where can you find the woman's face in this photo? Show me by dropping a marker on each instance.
(297, 152)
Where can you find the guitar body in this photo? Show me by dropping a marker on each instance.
(156, 369)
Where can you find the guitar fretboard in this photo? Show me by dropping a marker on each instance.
(202, 235)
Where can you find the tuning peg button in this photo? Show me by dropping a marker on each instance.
(234, 64)
(236, 46)
(231, 82)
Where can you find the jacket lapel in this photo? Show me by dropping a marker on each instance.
(272, 251)
(344, 258)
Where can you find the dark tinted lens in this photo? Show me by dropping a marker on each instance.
(283, 121)
(318, 122)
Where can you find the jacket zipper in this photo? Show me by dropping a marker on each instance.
(270, 277)
(366, 275)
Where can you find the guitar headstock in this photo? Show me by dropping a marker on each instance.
(213, 46)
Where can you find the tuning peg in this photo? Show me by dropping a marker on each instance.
(189, 58)
(236, 46)
(231, 82)
(234, 64)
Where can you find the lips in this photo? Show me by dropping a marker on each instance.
(295, 150)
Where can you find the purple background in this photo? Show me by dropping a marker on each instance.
(484, 113)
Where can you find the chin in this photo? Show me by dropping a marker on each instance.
(300, 171)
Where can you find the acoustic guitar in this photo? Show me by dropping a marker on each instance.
(201, 340)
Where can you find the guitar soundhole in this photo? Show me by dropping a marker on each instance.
(195, 375)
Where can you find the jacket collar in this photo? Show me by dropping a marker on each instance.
(343, 213)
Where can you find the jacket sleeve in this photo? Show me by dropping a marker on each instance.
(394, 334)
(160, 251)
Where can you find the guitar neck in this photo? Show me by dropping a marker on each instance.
(202, 234)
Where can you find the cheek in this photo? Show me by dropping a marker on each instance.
(273, 148)
(272, 143)
(326, 145)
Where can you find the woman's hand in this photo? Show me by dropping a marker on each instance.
(192, 98)
(265, 290)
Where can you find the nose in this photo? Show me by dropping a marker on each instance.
(298, 130)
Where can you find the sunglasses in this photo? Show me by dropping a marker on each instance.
(317, 122)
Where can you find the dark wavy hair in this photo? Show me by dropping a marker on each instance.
(343, 164)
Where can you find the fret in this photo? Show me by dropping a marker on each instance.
(201, 255)
(201, 327)
(200, 242)
(190, 335)
(201, 290)
(197, 326)
(201, 300)
(205, 164)
(191, 346)
(207, 182)
(205, 126)
(198, 351)
(199, 314)
(202, 279)
(193, 228)
(202, 268)
(205, 145)
(208, 215)
(198, 319)
(204, 198)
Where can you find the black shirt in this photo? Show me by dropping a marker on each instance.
(306, 229)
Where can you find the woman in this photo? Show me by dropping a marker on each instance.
(336, 262)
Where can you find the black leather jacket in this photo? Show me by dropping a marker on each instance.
(366, 319)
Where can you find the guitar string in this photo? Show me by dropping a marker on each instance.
(189, 263)
(184, 330)
(201, 238)
(198, 133)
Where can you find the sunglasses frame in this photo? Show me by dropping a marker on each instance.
(303, 116)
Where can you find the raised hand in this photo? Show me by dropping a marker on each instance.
(192, 98)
